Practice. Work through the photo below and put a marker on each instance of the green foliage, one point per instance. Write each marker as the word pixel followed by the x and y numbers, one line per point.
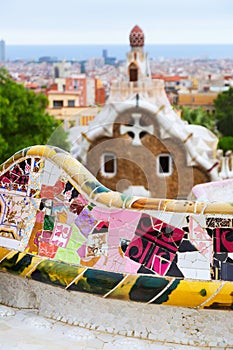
pixel 23 118
pixel 226 143
pixel 198 116
pixel 224 112
pixel 59 139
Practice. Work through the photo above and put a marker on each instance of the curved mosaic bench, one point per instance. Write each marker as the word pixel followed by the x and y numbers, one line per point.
pixel 60 226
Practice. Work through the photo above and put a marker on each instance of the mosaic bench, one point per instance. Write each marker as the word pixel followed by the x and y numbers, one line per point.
pixel 61 227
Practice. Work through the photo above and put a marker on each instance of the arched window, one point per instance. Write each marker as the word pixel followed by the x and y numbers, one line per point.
pixel 133 72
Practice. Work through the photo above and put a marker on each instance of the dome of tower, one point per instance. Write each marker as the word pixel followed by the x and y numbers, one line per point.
pixel 136 37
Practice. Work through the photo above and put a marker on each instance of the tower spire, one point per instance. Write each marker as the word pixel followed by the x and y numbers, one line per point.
pixel 136 37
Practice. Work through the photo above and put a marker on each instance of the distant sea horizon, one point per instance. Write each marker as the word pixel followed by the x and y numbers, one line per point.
pixel 83 52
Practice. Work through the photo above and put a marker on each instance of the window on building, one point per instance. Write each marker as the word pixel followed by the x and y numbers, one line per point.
pixel 56 72
pixel 71 103
pixel 133 72
pixel 108 164
pixel 57 104
pixel 164 165
pixel 75 84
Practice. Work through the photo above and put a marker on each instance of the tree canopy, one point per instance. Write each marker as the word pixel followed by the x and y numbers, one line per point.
pixel 23 118
pixel 224 112
pixel 226 143
pixel 198 116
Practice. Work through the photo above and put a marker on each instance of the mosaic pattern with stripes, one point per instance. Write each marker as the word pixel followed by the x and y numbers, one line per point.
pixel 60 226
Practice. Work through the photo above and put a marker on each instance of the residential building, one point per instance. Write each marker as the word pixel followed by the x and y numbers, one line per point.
pixel 70 97
pixel 194 98
pixel 65 106
pixel 203 92
pixel 61 69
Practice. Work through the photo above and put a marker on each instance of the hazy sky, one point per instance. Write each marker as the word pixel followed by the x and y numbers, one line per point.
pixel 110 21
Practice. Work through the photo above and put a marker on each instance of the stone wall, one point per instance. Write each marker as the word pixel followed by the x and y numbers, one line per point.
pixel 152 325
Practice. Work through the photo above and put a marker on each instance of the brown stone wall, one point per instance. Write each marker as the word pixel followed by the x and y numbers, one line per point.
pixel 200 176
pixel 136 165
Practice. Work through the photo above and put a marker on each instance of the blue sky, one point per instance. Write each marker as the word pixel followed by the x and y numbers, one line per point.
pixel 110 21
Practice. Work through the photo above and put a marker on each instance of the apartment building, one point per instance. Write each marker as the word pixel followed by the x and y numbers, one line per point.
pixel 194 98
pixel 73 99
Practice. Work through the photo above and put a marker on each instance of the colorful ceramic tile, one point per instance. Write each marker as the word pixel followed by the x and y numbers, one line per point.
pixel 47 191
pixel 34 181
pixel 194 265
pixel 49 222
pixel 97 244
pixel 76 207
pixel 47 249
pixel 148 242
pixel 67 255
pixel 149 255
pixel 9 232
pixel 17 176
pixel 15 210
pixel 37 165
pixel 85 221
pixel 61 234
pixel 76 239
pixel 42 236
pixel 52 191
pixel 40 216
pixel 70 192
pixel 46 206
pixel 159 232
pixel 200 238
pixel 101 227
pixel 223 239
pixel 214 222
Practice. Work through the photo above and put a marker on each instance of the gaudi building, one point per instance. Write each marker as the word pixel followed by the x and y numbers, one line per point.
pixel 138 144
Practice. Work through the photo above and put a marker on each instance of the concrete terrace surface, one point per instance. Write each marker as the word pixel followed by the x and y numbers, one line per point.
pixel 24 329
pixel 39 316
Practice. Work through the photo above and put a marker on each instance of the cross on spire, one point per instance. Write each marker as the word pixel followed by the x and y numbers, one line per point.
pixel 136 129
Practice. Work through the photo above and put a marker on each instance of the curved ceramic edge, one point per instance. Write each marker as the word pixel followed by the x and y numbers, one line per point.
pixel 87 184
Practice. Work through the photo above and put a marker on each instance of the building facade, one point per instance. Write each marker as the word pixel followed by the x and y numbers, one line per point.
pixel 2 51
pixel 75 100
pixel 195 99
pixel 138 144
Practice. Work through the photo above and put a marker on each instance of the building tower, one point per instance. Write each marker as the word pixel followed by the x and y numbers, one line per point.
pixel 137 60
pixel 105 54
pixel 2 51
pixel 137 75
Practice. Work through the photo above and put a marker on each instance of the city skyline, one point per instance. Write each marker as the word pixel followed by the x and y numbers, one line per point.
pixel 105 22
